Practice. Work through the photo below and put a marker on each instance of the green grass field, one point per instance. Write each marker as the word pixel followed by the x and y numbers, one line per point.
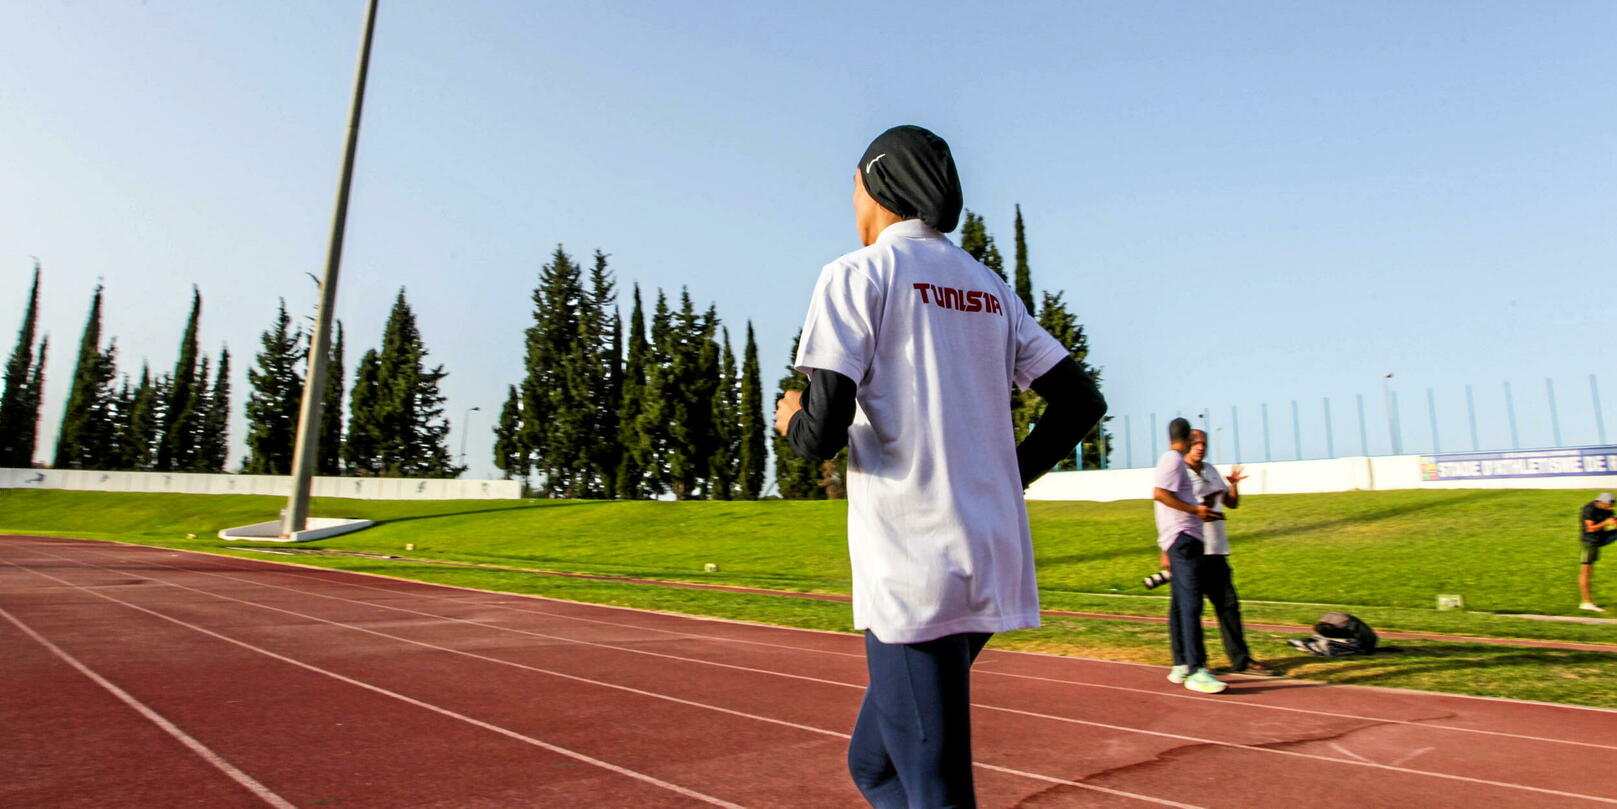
pixel 1381 555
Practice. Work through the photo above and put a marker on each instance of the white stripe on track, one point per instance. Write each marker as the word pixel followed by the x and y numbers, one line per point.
pixel 1032 714
pixel 975 672
pixel 249 783
pixel 690 793
pixel 821 731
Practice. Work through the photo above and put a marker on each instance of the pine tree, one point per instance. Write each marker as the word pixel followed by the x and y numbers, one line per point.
pixel 975 239
pixel 796 478
pixel 182 413
pixel 630 483
pixel 87 437
pixel 694 363
pixel 509 455
pixel 361 445
pixel 330 461
pixel 723 461
pixel 19 404
pixel 275 398
pixel 214 447
pixel 404 419
pixel 595 388
pixel 1024 276
pixel 137 437
pixel 752 457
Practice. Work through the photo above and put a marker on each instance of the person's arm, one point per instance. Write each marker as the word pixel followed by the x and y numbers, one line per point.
pixel 1590 526
pixel 1172 501
pixel 1232 497
pixel 1073 406
pixel 815 421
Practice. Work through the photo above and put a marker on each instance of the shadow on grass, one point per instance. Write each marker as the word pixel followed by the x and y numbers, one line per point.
pixel 1398 663
pixel 490 511
pixel 1362 517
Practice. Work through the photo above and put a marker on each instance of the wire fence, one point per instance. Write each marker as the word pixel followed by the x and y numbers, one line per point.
pixel 1492 417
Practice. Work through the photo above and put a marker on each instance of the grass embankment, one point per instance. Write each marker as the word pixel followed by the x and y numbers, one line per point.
pixel 1382 555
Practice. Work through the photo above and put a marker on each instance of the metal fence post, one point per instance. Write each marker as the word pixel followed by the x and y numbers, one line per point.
pixel 1510 413
pixel 1364 434
pixel 1555 418
pixel 1296 431
pixel 1128 440
pixel 1267 455
pixel 1330 441
pixel 1431 410
pixel 1153 458
pixel 1235 427
pixel 1471 413
pixel 1397 425
pixel 1600 418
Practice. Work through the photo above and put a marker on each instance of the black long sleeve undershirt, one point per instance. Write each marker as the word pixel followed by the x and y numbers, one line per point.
pixel 820 430
pixel 1073 407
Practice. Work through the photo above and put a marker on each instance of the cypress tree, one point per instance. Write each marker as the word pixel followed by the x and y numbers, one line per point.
pixel 551 424
pixel 594 388
pixel 360 447
pixel 631 473
pixel 330 460
pixel 796 478
pixel 509 456
pixel 1064 326
pixel 275 397
pixel 751 454
pixel 723 462
pixel 19 404
pixel 137 439
pixel 214 447
pixel 694 376
pixel 975 239
pixel 1024 276
pixel 651 449
pixel 182 413
pixel 86 439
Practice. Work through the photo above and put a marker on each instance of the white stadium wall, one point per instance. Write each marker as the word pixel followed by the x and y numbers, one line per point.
pixel 278 485
pixel 1361 474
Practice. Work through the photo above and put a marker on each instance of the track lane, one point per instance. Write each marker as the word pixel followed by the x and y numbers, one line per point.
pixel 1347 753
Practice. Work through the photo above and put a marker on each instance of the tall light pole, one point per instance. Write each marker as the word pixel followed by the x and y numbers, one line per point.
pixel 307 452
pixel 465 430
pixel 1392 416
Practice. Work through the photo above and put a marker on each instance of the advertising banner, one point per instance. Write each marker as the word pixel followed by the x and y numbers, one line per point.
pixel 1529 463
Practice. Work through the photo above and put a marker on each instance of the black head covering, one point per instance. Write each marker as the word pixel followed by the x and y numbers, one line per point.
pixel 910 172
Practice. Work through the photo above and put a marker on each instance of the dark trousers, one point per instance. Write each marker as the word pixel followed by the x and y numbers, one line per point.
pixel 1185 610
pixel 1218 586
pixel 911 746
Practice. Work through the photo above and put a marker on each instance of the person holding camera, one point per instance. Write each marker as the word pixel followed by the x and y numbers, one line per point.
pixel 1213 574
pixel 1599 530
pixel 911 347
pixel 1181 521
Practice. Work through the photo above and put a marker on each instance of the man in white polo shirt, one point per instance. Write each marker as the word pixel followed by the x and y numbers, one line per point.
pixel 912 347
pixel 1179 537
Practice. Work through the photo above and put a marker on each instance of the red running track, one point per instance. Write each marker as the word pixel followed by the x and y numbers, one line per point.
pixel 140 677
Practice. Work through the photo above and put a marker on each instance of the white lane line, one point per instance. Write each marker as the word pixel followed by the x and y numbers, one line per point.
pixel 976 671
pixel 690 793
pixel 219 763
pixel 1030 775
pixel 1353 761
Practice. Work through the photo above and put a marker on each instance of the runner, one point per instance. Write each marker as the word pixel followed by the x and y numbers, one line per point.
pixel 1599 530
pixel 911 347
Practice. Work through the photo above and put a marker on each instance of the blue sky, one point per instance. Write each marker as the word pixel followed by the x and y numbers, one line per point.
pixel 1244 202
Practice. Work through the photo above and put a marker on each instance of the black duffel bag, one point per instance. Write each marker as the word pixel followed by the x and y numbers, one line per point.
pixel 1339 634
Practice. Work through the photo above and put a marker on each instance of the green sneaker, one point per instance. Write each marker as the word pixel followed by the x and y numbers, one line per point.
pixel 1204 682
pixel 1177 674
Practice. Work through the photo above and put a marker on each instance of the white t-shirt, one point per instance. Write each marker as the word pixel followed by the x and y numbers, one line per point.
pixel 1207 482
pixel 1173 475
pixel 937 527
